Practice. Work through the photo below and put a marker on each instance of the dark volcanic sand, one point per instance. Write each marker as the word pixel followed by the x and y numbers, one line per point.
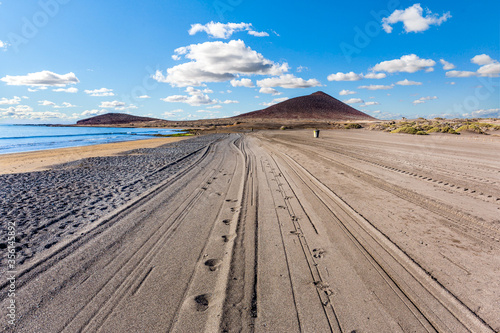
pixel 49 205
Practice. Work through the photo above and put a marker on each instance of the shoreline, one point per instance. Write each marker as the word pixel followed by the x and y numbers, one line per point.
pixel 44 159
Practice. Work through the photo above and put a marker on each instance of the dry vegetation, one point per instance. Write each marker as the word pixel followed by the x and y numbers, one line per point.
pixel 423 126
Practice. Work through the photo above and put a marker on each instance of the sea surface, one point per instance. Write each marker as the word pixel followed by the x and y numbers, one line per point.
pixel 24 138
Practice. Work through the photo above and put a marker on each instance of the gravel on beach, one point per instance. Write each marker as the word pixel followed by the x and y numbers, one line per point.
pixel 48 205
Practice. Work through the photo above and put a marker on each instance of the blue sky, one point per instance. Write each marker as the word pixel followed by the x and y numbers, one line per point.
pixel 64 60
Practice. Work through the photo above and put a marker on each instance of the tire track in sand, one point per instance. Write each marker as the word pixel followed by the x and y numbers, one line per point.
pixel 407 279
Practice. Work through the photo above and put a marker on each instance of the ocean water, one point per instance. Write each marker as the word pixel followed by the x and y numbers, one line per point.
pixel 24 138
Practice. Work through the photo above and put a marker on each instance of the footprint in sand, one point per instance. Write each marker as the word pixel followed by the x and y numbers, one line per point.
pixel 226 221
pixel 227 238
pixel 213 264
pixel 202 302
pixel 323 286
pixel 319 253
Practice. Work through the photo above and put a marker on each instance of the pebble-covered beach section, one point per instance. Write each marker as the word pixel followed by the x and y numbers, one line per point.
pixel 48 205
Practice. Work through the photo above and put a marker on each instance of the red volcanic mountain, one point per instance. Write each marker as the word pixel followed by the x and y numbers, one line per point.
pixel 113 119
pixel 311 107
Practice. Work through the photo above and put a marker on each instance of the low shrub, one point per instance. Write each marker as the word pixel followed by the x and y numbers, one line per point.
pixel 470 128
pixel 487 125
pixel 406 129
pixel 449 130
pixel 352 125
pixel 424 127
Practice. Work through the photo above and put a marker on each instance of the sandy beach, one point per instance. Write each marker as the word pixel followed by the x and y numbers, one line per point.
pixel 43 160
pixel 270 231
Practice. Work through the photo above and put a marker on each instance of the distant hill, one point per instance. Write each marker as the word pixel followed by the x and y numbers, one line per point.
pixel 114 119
pixel 317 106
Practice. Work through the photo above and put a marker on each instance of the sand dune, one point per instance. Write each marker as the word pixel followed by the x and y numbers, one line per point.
pixel 280 232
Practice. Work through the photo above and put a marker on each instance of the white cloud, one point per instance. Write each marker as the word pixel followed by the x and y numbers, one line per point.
pixel 93 112
pixel 14 100
pixel 70 90
pixel 489 67
pixel 172 113
pixel 228 101
pixel 424 99
pixel 144 96
pixel 288 81
pixel 301 69
pixel 218 62
pixel 354 101
pixel 117 105
pixel 43 78
pixel 242 83
pixel 46 103
pixel 65 105
pixel 272 91
pixel 26 112
pixel 13 110
pixel 3 44
pixel 408 63
pixel 219 30
pixel 111 104
pixel 55 106
pixel 191 100
pixel 37 89
pixel 446 65
pixel 224 30
pixel 100 92
pixel 460 74
pixel 482 59
pixel 370 103
pixel 214 107
pixel 407 82
pixel 346 92
pixel 258 34
pixel 376 87
pixel 275 101
pixel 375 76
pixel 351 76
pixel 196 98
pixel 491 70
pixel 413 20
pixel 483 113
